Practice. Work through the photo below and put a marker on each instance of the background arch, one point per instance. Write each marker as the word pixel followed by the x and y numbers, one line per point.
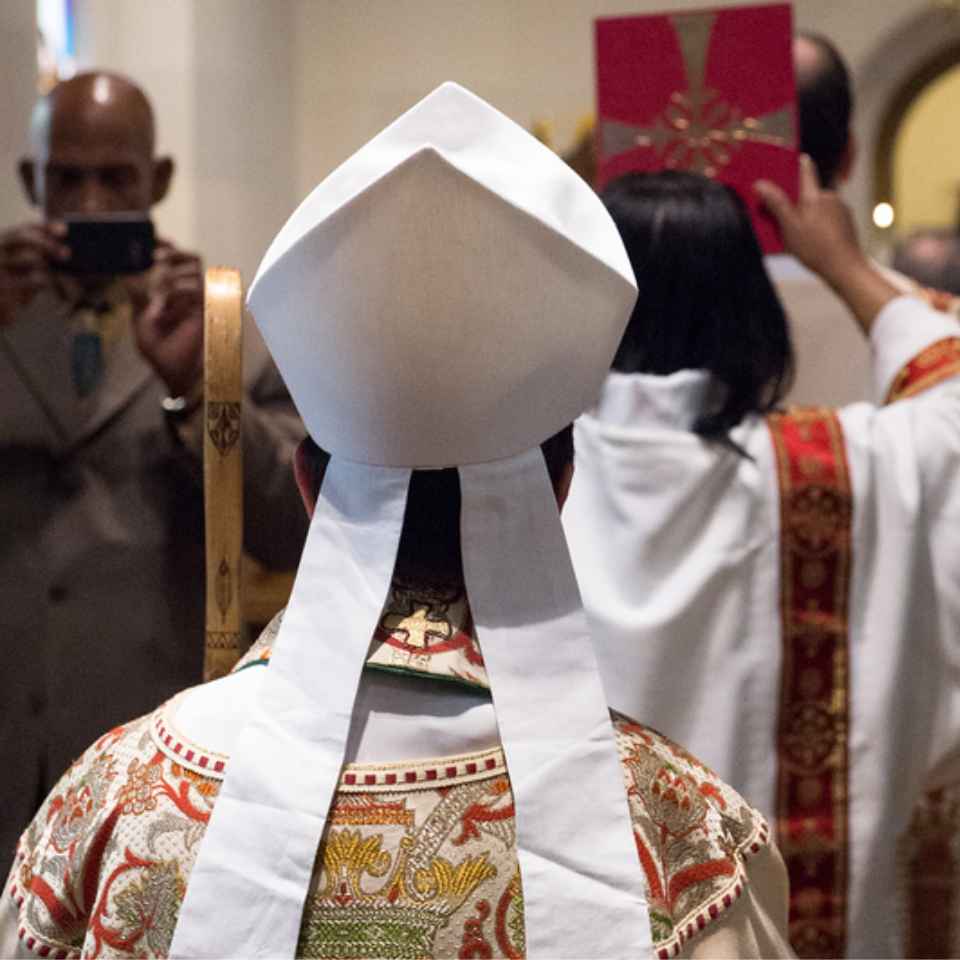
pixel 909 56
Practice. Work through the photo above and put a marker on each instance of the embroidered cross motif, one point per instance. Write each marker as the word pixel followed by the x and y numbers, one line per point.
pixel 698 130
pixel 417 628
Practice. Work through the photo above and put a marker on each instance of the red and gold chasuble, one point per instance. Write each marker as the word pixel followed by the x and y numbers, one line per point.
pixel 710 91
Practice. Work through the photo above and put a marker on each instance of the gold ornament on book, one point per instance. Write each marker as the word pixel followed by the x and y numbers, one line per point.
pixel 698 130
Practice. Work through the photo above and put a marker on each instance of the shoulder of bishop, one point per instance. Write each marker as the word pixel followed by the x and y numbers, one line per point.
pixel 694 834
pixel 113 842
pixel 116 840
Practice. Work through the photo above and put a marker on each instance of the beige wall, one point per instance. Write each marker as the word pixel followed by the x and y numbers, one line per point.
pixel 259 99
pixel 360 62
pixel 18 80
pixel 151 41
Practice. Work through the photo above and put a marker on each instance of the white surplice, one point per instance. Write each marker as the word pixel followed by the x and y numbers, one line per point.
pixel 676 543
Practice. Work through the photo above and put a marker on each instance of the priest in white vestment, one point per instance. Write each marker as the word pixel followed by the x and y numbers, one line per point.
pixel 417 760
pixel 779 591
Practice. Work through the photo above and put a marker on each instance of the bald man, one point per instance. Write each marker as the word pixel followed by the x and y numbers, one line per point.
pixel 833 365
pixel 832 356
pixel 101 559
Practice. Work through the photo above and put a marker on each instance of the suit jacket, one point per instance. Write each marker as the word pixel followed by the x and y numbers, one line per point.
pixel 101 554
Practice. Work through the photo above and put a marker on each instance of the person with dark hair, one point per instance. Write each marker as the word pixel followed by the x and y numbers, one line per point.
pixel 824 106
pixel 101 436
pixel 780 591
pixel 418 758
pixel 703 306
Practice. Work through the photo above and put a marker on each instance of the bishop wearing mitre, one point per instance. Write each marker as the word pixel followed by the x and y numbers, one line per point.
pixel 417 758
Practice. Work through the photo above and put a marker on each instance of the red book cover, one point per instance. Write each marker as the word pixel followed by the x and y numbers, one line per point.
pixel 710 91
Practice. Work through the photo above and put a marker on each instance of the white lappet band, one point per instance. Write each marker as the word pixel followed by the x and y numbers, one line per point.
pixel 582 883
pixel 246 893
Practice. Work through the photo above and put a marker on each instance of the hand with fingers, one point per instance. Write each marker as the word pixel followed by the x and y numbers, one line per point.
pixel 820 232
pixel 27 255
pixel 168 317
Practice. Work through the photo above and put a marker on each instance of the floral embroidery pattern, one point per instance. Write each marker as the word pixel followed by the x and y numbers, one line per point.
pixel 73 812
pixel 102 868
pixel 404 870
pixel 138 794
pixel 688 841
pixel 147 908
pixel 418 860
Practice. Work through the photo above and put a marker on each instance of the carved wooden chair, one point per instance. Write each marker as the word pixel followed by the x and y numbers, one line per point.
pixel 223 469
pixel 239 592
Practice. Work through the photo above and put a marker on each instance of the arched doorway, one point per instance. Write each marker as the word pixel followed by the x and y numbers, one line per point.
pixel 888 83
pixel 916 159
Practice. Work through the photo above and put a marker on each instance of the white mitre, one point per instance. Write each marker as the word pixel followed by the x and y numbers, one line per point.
pixel 452 295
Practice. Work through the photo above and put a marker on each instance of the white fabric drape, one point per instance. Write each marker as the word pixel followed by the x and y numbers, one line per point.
pixel 583 889
pixel 247 890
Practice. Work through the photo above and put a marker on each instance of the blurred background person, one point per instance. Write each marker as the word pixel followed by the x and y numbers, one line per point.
pixel 931 257
pixel 100 438
pixel 832 356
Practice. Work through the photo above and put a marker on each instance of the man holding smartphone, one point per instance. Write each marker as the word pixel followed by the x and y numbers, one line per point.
pixel 100 437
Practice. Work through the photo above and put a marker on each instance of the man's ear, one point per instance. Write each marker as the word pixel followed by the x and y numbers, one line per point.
pixel 305 475
pixel 28 179
pixel 162 175
pixel 563 487
pixel 847 161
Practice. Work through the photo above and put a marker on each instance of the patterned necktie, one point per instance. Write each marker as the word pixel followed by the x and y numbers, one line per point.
pixel 86 358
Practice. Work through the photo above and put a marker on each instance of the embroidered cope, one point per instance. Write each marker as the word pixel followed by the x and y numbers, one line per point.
pixel 419 858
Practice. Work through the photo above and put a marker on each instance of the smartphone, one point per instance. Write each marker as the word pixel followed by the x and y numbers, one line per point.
pixel 109 244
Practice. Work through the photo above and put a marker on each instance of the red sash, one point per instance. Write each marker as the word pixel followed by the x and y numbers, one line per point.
pixel 939 362
pixel 816 511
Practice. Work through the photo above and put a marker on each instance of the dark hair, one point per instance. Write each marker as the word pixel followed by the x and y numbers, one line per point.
pixel 704 298
pixel 825 104
pixel 430 542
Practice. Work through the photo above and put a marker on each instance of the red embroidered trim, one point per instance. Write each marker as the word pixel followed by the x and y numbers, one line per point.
pixel 183 752
pixel 940 361
pixel 33 942
pixel 697 922
pixel 816 510
pixel 358 778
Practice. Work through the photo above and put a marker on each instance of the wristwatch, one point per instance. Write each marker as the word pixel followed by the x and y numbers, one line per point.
pixel 179 408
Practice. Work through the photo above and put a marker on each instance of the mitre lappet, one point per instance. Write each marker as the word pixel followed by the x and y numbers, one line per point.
pixel 450 296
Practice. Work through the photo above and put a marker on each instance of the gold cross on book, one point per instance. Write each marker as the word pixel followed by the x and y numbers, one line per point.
pixel 698 130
